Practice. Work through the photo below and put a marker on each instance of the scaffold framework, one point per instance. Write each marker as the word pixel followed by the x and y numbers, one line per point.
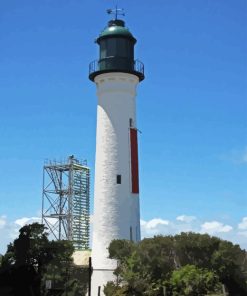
pixel 66 201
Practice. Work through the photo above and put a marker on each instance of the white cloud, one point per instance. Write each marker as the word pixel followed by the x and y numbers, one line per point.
pixel 186 219
pixel 9 230
pixel 154 226
pixel 24 221
pixel 156 222
pixel 243 224
pixel 187 223
pixel 142 222
pixel 183 223
pixel 2 221
pixel 51 221
pixel 214 227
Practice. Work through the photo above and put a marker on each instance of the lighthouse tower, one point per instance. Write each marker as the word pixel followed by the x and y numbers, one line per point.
pixel 116 191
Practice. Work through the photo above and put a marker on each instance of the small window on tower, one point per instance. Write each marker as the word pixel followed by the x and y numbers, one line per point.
pixel 118 179
pixel 131 122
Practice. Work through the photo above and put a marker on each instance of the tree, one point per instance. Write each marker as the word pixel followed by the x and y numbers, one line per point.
pixel 229 262
pixel 31 247
pixel 195 248
pixel 58 269
pixel 149 266
pixel 25 258
pixel 111 289
pixel 224 258
pixel 32 259
pixel 191 280
pixel 143 266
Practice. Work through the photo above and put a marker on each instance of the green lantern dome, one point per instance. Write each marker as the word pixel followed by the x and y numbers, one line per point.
pixel 116 52
pixel 116 28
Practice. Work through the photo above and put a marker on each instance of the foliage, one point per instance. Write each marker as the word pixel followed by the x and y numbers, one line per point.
pixel 58 268
pixel 22 264
pixel 121 249
pixel 32 259
pixel 191 280
pixel 180 263
pixel 227 260
pixel 114 290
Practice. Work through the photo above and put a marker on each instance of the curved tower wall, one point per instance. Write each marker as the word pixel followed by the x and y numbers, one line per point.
pixel 116 208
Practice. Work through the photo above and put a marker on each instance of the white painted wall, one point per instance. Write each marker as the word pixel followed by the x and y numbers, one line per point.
pixel 116 209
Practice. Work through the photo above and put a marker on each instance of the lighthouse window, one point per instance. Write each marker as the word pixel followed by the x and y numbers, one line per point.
pixel 111 47
pixel 103 49
pixel 122 47
pixel 118 179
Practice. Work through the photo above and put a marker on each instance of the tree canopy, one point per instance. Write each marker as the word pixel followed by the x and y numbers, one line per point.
pixel 32 260
pixel 184 264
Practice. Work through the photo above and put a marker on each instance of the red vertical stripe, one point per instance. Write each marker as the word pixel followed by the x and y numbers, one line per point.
pixel 134 160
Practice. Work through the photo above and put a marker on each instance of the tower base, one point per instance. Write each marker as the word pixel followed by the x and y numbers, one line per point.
pixel 99 280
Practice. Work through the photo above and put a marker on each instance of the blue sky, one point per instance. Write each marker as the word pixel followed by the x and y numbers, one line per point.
pixel 192 107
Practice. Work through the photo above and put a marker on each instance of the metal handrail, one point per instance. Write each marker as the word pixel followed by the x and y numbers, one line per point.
pixel 139 66
pixel 94 66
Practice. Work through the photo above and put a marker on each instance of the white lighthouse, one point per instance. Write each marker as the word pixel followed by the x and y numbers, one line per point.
pixel 116 192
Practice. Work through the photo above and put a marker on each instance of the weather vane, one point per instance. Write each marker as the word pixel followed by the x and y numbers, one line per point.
pixel 117 11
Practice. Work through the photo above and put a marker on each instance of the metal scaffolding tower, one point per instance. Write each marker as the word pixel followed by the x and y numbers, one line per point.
pixel 65 201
